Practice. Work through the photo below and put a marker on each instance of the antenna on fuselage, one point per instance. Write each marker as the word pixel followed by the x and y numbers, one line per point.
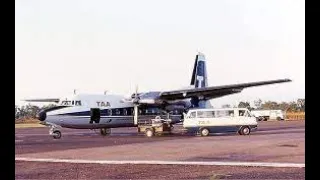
pixel 105 92
pixel 74 91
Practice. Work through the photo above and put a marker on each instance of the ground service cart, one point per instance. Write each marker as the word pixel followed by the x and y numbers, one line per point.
pixel 153 127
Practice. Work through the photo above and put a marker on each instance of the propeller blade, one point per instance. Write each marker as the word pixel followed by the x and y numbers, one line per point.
pixel 136 98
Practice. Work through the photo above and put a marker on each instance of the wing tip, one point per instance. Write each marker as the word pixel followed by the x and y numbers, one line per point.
pixel 287 80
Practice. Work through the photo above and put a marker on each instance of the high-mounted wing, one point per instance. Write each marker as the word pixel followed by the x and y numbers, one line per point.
pixel 214 91
pixel 56 100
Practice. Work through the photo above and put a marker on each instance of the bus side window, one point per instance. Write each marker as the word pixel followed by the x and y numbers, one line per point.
pixel 231 113
pixel 200 114
pixel 241 112
pixel 192 115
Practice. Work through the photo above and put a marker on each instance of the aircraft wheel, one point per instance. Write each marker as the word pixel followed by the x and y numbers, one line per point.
pixel 105 131
pixel 56 134
pixel 204 132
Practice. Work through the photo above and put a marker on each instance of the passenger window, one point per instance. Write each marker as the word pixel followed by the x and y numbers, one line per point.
pixel 110 112
pixel 124 112
pixel 78 103
pixel 200 114
pixel 231 113
pixel 118 112
pixel 222 113
pixel 208 114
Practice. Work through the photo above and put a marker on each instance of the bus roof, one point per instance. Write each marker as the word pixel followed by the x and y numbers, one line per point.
pixel 217 109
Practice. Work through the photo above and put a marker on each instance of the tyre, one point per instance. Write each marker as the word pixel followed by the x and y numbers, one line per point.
pixel 56 134
pixel 245 130
pixel 105 131
pixel 149 132
pixel 279 118
pixel 204 132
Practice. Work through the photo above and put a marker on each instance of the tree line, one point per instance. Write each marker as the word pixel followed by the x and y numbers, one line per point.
pixel 29 111
pixel 293 106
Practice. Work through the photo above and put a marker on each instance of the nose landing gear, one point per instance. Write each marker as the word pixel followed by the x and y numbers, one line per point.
pixel 54 131
pixel 56 134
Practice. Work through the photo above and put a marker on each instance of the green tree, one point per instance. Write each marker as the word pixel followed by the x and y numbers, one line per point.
pixel 301 104
pixel 226 106
pixel 244 105
pixel 270 105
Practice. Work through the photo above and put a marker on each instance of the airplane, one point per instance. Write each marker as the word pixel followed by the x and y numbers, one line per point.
pixel 106 111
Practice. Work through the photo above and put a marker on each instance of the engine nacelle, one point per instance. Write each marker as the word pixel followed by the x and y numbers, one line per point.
pixel 147 101
pixel 42 115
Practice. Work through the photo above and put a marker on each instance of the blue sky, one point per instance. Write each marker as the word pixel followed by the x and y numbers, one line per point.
pixel 99 45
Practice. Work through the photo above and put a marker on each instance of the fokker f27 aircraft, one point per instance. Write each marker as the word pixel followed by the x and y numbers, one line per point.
pixel 105 111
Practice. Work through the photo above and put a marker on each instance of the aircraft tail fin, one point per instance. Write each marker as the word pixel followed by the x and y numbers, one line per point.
pixel 199 80
pixel 199 74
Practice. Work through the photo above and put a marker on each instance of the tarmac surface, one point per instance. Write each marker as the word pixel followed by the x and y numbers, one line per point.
pixel 274 141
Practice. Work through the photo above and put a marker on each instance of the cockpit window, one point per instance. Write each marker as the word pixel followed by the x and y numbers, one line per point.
pixel 66 103
pixel 78 103
pixel 69 103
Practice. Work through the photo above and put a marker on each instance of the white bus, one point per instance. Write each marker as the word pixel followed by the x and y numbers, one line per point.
pixel 205 121
pixel 268 114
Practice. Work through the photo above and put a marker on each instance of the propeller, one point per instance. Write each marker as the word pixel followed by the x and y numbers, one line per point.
pixel 136 97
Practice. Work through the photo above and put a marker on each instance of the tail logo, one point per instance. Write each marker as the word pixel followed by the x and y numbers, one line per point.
pixel 200 79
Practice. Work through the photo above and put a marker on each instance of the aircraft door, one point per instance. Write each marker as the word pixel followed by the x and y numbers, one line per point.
pixel 94 115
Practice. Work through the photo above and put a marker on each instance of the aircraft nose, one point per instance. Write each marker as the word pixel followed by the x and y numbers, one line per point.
pixel 42 115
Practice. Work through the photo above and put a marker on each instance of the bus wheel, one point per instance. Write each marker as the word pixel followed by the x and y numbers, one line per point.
pixel 245 130
pixel 204 132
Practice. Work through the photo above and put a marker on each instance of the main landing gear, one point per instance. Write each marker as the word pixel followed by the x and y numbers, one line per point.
pixel 105 131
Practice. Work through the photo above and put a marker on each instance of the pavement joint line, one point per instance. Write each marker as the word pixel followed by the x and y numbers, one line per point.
pixel 155 162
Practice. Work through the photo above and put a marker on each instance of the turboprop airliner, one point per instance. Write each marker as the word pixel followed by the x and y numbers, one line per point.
pixel 106 111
